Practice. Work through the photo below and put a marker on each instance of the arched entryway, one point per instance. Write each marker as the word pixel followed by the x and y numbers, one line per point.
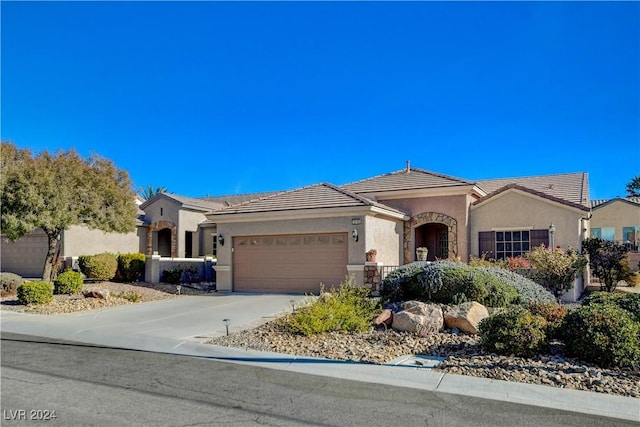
pixel 436 231
pixel 161 238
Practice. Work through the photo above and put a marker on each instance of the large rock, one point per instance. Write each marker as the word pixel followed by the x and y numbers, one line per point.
pixel 466 316
pixel 429 320
pixel 418 307
pixel 95 293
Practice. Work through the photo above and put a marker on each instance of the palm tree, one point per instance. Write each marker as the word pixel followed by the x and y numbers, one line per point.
pixel 148 192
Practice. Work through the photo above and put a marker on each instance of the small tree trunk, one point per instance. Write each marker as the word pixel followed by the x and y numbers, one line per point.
pixel 52 255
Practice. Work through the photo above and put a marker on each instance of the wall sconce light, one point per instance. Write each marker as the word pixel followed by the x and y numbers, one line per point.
pixel 354 234
pixel 221 239
pixel 226 324
pixel 552 232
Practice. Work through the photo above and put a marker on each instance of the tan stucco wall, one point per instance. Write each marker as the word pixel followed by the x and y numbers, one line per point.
pixel 79 240
pixel 25 256
pixel 516 210
pixel 456 207
pixel 616 214
pixel 356 250
pixel 385 236
pixel 188 221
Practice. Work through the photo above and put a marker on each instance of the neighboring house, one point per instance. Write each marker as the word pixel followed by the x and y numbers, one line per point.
pixel 295 240
pixel 26 255
pixel 618 220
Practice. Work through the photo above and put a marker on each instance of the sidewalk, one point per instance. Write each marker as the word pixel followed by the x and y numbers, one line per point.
pixel 179 326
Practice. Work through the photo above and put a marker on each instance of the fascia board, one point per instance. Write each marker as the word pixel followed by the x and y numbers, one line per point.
pixel 424 192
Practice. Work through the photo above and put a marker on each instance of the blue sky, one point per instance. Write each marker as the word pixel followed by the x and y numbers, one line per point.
pixel 212 98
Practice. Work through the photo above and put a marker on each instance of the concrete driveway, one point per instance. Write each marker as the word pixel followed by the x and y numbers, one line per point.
pixel 187 318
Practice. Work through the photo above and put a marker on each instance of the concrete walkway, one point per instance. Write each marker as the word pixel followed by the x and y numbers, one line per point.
pixel 179 326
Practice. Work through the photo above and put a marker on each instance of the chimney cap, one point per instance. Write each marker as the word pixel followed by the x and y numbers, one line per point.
pixel 408 166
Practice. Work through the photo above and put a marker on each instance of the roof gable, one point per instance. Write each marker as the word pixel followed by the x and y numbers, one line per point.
pixel 405 179
pixel 528 190
pixel 319 196
pixel 569 187
pixel 634 201
pixel 184 202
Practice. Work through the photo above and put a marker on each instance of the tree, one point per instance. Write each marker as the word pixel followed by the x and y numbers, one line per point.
pixel 148 191
pixel 556 269
pixel 633 187
pixel 55 191
pixel 606 261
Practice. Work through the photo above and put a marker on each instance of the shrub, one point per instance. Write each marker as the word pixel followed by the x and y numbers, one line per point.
pixel 37 292
pixel 605 261
pixel 131 266
pixel 348 309
pixel 552 313
pixel 172 275
pixel 628 302
pixel 129 296
pixel 603 334
pixel 101 266
pixel 68 282
pixel 402 284
pixel 528 290
pixel 9 283
pixel 556 269
pixel 514 331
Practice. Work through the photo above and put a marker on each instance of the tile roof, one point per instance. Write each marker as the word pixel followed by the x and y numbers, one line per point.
pixel 318 196
pixel 600 202
pixel 571 187
pixel 580 206
pixel 190 201
pixel 400 180
pixel 234 199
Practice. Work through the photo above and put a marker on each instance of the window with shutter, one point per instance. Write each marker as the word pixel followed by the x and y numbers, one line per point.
pixel 487 244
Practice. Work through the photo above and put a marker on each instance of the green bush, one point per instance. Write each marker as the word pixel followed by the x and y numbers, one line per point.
pixel 35 293
pixel 514 331
pixel 349 308
pixel 131 266
pixel 528 290
pixel 554 315
pixel 626 301
pixel 604 334
pixel 129 296
pixel 68 282
pixel 402 284
pixel 101 266
pixel 9 283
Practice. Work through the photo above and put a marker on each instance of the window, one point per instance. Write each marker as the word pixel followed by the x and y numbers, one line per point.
pixel 512 243
pixel 606 233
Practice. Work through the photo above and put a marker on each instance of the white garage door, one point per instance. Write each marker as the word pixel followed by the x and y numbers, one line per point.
pixel 25 256
pixel 289 263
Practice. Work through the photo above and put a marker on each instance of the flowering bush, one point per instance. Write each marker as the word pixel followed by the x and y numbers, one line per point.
pixel 556 269
pixel 518 262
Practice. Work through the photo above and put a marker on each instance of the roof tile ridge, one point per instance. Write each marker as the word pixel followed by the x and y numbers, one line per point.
pixel 442 175
pixel 363 199
pixel 371 178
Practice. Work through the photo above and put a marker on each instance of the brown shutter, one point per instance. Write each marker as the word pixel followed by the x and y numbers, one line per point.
pixel 487 244
pixel 539 237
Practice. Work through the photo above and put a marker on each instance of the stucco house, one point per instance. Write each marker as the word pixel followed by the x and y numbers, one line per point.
pixel 295 240
pixel 618 220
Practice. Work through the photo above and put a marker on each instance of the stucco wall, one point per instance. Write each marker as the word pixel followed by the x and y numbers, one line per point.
pixel 456 207
pixel 519 211
pixel 25 256
pixel 188 221
pixel 616 214
pixel 80 240
pixel 385 236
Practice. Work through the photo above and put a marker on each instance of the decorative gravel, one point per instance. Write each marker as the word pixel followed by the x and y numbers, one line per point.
pixel 463 356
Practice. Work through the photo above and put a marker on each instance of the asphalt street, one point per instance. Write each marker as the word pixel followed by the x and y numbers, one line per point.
pixel 91 385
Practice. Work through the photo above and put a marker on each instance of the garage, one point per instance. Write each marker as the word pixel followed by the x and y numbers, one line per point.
pixel 25 256
pixel 296 263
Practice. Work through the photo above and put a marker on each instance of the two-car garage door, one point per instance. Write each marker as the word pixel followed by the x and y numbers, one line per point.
pixel 289 263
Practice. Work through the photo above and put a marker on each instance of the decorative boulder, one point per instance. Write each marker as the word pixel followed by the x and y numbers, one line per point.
pixel 385 318
pixel 418 307
pixel 100 294
pixel 430 321
pixel 466 316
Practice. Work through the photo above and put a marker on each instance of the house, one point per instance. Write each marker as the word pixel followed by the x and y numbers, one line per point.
pixel 295 240
pixel 618 220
